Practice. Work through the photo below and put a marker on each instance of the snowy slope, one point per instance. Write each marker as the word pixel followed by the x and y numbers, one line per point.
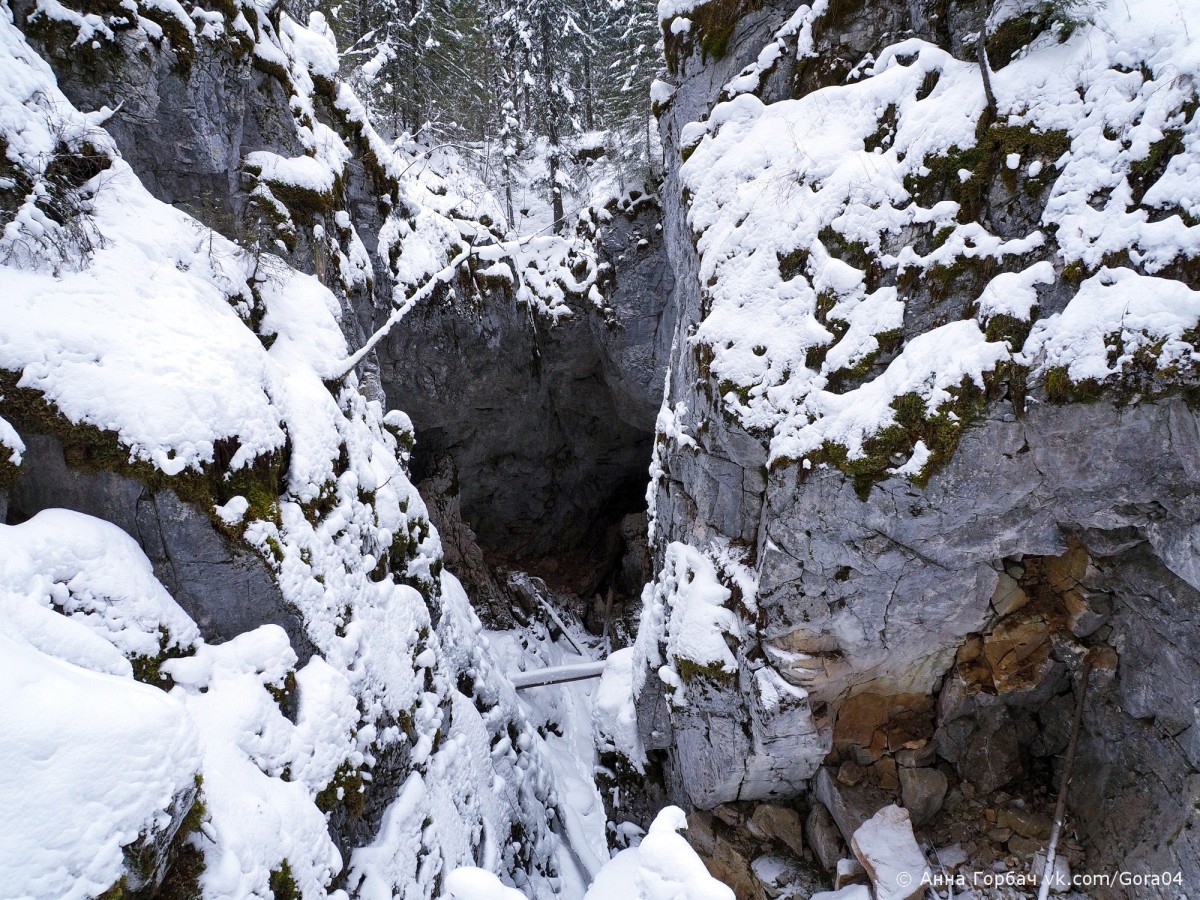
pixel 127 315
pixel 104 760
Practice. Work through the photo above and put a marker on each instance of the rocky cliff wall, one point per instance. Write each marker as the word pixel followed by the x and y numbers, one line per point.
pixel 548 422
pixel 926 587
pixel 547 415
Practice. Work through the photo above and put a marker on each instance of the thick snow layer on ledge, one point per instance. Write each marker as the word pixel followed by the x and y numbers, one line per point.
pixel 1115 315
pixel 143 341
pixel 141 337
pixel 791 203
pixel 82 590
pixel 663 867
pixel 303 172
pixel 470 883
pixel 88 763
pixel 144 334
pixel 90 760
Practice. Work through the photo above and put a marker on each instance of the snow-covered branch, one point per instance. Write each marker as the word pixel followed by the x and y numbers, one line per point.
pixel 346 366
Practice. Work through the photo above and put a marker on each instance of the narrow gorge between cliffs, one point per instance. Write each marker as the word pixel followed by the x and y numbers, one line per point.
pixel 528 449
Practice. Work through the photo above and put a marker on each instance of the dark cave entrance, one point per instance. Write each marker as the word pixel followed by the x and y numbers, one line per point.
pixel 532 454
pixel 588 545
pixel 534 437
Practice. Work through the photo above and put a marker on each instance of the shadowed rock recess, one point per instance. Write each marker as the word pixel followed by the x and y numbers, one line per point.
pixel 544 426
pixel 549 427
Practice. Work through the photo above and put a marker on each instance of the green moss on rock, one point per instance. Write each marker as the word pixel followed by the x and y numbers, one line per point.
pixel 1015 34
pixel 87 448
pixel 178 37
pixel 713 24
pixel 9 471
pixel 346 789
pixel 284 693
pixel 940 431
pixel 985 162
pixel 689 670
pixel 1061 389
pixel 283 883
pixel 148 669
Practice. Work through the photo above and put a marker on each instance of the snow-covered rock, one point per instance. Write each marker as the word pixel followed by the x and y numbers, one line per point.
pixel 850 239
pixel 662 867
pixel 188 387
pixel 469 883
pixel 96 770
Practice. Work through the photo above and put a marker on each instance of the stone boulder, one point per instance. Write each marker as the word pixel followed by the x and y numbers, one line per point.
pixel 224 587
pixel 888 851
pixel 923 791
pixel 824 837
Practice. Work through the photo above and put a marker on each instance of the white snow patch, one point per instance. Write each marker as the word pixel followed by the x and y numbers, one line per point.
pixel 1015 293
pixel 299 171
pixel 615 714
pixel 1117 314
pixel 11 441
pixel 81 589
pixel 684 619
pixel 470 883
pixel 663 867
pixel 100 757
pixel 916 463
pixel 661 92
pixel 104 757
pixel 233 512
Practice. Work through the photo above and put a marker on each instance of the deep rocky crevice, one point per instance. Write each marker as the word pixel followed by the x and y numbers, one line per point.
pixel 939 629
pixel 534 438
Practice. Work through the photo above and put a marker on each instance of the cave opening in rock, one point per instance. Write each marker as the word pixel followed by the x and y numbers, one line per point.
pixel 588 546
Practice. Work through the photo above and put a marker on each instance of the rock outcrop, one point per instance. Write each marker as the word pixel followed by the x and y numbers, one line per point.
pixel 226 588
pixel 929 591
pixel 210 407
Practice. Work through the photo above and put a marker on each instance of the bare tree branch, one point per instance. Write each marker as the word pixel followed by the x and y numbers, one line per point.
pixel 985 70
pixel 1060 808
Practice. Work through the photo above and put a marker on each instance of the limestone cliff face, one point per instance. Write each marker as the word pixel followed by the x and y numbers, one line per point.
pixel 549 418
pixel 225 587
pixel 188 111
pixel 548 424
pixel 917 600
